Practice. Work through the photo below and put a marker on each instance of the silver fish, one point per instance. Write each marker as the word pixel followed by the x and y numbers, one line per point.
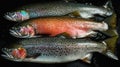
pixel 53 50
pixel 57 9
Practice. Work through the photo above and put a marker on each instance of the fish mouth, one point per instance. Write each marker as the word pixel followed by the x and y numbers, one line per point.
pixel 6 53
pixel 10 17
pixel 15 33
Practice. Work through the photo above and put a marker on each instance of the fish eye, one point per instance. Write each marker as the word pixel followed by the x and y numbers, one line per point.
pixel 23 13
pixel 18 15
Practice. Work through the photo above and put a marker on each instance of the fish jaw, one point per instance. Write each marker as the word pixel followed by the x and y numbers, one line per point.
pixel 20 15
pixel 23 32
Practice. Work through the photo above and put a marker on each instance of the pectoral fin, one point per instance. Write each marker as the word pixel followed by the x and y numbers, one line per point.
pixel 64 35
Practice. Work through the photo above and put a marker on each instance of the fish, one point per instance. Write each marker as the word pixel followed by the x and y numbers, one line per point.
pixel 53 26
pixel 26 12
pixel 52 50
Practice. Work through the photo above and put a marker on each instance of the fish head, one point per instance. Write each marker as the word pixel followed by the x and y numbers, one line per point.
pixel 20 15
pixel 22 31
pixel 16 54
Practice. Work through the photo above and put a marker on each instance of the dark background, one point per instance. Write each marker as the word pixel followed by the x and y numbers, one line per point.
pixel 98 60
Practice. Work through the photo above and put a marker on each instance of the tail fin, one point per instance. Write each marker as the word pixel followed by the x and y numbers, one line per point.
pixel 111 42
pixel 100 36
pixel 108 5
pixel 111 21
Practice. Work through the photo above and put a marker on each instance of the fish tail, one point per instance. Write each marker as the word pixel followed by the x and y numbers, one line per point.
pixel 112 43
pixel 111 55
pixel 108 5
pixel 111 21
pixel 100 36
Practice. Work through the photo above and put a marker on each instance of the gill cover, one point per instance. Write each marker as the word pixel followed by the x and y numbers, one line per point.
pixel 19 53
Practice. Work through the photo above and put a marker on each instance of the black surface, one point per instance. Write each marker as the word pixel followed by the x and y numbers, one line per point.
pixel 98 60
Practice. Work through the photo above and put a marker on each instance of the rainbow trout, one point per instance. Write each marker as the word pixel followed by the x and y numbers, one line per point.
pixel 52 50
pixel 53 26
pixel 58 9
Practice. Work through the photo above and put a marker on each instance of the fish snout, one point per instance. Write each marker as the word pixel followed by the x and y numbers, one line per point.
pixel 10 16
pixel 6 53
pixel 15 32
pixel 17 16
pixel 22 32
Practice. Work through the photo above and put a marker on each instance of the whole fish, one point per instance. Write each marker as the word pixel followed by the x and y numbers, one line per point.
pixel 52 50
pixel 58 9
pixel 53 26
